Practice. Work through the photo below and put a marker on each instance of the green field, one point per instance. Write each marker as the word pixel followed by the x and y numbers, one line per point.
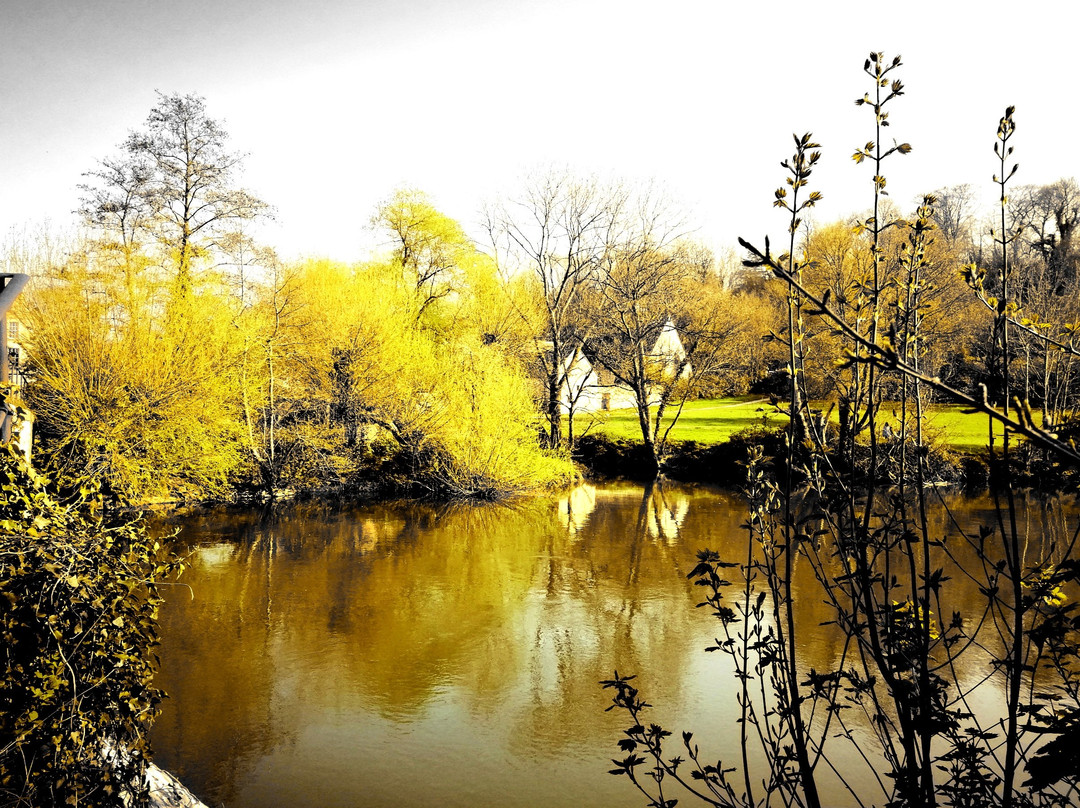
pixel 707 421
pixel 961 431
pixel 715 420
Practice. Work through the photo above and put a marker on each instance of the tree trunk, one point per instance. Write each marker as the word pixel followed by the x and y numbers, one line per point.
pixel 554 414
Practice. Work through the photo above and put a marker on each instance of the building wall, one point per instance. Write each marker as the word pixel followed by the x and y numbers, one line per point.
pixel 586 389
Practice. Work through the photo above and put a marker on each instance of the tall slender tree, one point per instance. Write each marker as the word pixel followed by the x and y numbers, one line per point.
pixel 557 228
pixel 176 181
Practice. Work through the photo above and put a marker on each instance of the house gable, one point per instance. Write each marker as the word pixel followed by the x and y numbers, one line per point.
pixel 592 388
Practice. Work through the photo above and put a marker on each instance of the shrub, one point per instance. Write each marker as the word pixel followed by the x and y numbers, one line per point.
pixel 78 615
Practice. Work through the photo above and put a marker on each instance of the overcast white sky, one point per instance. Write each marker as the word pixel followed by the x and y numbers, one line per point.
pixel 338 102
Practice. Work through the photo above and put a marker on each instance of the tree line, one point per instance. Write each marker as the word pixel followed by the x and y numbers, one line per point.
pixel 174 355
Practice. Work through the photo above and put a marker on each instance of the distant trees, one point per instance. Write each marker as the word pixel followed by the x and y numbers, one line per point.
pixel 271 334
pixel 954 214
pixel 1047 217
pixel 314 374
pixel 173 355
pixel 840 260
pixel 185 332
pixel 657 324
pixel 1044 289
pixel 1044 260
pixel 611 270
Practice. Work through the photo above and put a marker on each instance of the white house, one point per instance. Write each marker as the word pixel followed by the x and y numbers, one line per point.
pixel 589 388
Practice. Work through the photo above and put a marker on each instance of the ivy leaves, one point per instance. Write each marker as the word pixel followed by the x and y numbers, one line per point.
pixel 78 619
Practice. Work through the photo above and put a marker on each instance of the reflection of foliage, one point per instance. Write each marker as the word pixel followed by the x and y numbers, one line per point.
pixel 369 602
pixel 78 613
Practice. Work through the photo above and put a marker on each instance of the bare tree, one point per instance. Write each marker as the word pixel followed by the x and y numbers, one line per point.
pixel 1043 278
pixel 954 213
pixel 1048 216
pixel 556 229
pixel 269 347
pixel 175 181
pixel 651 323
pixel 116 201
pixel 245 263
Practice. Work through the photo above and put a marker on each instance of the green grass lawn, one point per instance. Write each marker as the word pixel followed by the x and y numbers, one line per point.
pixel 715 420
pixel 962 431
pixel 708 421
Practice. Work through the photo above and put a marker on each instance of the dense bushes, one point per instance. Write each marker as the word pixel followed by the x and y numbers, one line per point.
pixel 448 407
pixel 78 611
pixel 285 385
pixel 123 394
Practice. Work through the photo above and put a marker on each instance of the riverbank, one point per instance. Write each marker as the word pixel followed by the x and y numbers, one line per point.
pixel 724 463
pixel 955 459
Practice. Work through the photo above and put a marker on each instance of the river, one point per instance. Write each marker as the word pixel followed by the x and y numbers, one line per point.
pixel 403 654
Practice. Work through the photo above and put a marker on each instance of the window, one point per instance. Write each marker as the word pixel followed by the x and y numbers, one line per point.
pixel 13 329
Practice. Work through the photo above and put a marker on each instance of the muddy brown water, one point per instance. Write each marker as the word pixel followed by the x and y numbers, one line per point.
pixel 410 655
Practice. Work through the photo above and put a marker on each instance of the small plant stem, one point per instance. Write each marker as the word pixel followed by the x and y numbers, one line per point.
pixel 755 493
pixel 800 169
pixel 1012 546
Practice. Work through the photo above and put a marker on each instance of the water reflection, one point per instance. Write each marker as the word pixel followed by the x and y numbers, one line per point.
pixel 403 654
pixel 575 507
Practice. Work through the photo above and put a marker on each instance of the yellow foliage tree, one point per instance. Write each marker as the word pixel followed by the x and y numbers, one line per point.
pixel 455 406
pixel 119 395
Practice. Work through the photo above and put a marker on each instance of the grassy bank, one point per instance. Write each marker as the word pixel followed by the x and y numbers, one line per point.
pixel 713 421
pixel 707 421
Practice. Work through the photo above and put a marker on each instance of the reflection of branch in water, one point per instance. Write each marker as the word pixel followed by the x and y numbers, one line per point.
pixel 642 527
pixel 271 552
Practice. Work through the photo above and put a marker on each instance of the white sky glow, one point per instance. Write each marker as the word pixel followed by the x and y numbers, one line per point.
pixel 337 103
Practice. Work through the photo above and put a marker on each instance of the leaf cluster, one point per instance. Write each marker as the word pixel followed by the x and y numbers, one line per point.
pixel 79 597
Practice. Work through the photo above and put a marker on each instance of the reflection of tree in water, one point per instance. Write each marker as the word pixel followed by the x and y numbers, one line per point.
pixel 615 595
pixel 214 725
pixel 575 506
pixel 506 617
pixel 663 510
pixel 236 696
